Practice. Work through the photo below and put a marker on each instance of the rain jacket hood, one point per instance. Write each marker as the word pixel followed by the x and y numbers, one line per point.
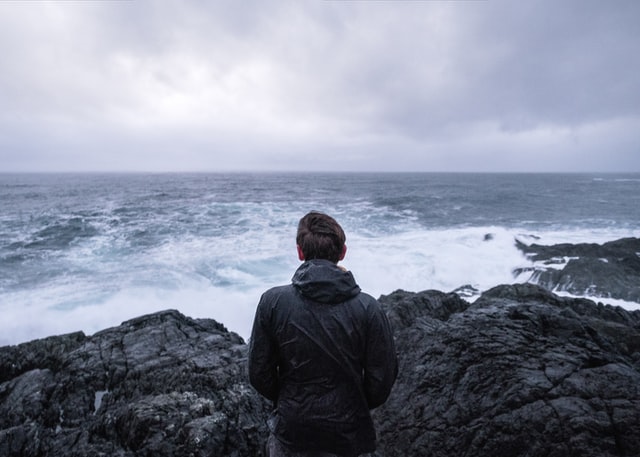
pixel 325 282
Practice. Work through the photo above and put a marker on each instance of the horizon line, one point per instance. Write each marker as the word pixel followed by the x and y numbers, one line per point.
pixel 240 171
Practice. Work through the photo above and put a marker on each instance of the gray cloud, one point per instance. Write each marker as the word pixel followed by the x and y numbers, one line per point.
pixel 192 85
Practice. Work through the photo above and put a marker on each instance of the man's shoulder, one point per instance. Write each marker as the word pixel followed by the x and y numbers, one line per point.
pixel 365 296
pixel 371 304
pixel 277 291
pixel 367 299
pixel 285 288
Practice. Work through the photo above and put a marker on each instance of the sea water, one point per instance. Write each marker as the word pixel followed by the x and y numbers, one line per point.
pixel 88 251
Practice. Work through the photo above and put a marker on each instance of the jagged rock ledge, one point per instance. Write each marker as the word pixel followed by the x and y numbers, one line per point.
pixel 609 270
pixel 520 371
pixel 162 385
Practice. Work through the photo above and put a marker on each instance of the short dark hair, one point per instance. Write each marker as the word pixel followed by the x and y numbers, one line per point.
pixel 320 237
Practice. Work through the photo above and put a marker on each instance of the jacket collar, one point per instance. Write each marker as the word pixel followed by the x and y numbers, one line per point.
pixel 325 282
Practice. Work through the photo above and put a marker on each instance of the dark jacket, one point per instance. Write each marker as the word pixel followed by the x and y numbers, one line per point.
pixel 323 352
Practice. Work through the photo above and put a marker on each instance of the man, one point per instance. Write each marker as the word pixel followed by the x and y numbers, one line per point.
pixel 322 351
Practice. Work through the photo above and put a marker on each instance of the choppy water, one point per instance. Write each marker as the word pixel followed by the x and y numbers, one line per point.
pixel 87 251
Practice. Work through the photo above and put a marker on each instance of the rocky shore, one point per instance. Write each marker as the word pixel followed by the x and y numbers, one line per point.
pixel 161 385
pixel 610 270
pixel 519 372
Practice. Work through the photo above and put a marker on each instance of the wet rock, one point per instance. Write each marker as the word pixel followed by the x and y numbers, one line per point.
pixel 610 270
pixel 162 385
pixel 467 291
pixel 519 372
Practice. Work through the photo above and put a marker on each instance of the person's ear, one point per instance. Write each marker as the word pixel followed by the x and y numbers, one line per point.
pixel 300 253
pixel 344 252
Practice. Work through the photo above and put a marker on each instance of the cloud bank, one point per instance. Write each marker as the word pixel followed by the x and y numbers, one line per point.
pixel 320 85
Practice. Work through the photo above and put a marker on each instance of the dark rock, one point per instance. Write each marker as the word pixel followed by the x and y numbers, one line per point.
pixel 610 270
pixel 162 385
pixel 466 291
pixel 46 353
pixel 405 307
pixel 519 372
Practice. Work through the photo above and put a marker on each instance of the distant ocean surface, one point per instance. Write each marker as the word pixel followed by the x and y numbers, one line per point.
pixel 88 251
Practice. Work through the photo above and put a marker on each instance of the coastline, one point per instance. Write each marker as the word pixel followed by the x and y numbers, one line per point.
pixel 527 369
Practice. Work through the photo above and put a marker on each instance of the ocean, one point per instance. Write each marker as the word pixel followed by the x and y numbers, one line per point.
pixel 88 251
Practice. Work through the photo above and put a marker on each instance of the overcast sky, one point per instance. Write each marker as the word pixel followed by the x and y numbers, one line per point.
pixel 196 85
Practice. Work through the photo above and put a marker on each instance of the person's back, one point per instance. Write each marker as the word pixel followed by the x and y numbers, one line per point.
pixel 322 351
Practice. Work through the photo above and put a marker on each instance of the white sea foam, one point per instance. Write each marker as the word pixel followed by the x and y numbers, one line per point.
pixel 628 305
pixel 40 316
pixel 223 277
pixel 438 259
pixel 210 245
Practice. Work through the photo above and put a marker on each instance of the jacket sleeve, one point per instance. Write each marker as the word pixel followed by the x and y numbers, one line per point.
pixel 263 355
pixel 381 362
